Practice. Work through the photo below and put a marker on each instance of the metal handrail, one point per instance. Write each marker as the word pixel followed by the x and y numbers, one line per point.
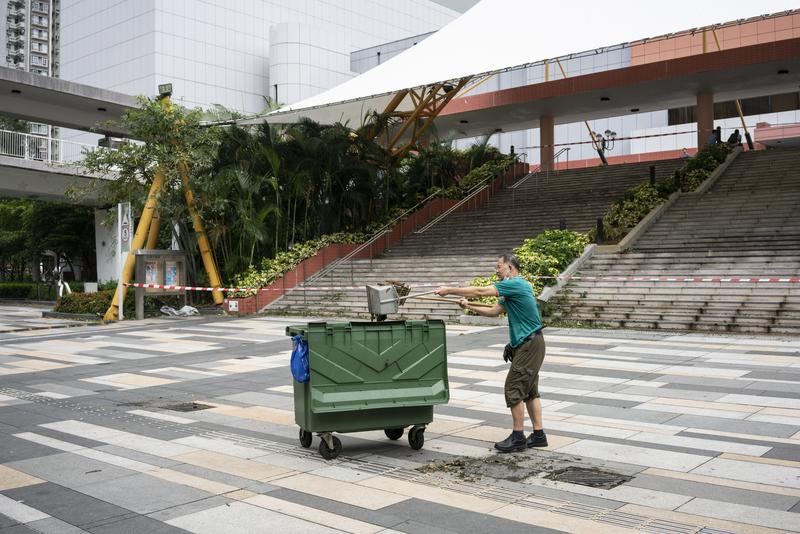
pixel 525 178
pixel 538 172
pixel 377 235
pixel 476 189
pixel 41 148
pixel 473 192
pixel 539 168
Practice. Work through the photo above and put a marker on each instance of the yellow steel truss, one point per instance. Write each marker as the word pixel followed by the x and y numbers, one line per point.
pixel 404 129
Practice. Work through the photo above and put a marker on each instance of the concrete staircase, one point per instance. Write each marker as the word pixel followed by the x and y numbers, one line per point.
pixel 747 225
pixel 466 245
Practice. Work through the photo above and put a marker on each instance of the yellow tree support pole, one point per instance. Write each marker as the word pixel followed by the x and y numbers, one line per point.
pixel 591 133
pixel 202 240
pixel 741 116
pixel 112 314
pixel 152 235
pixel 738 103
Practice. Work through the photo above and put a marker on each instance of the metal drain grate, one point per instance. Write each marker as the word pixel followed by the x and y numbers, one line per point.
pixel 594 478
pixel 187 407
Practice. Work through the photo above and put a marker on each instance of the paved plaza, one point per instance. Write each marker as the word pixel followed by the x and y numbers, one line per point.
pixel 19 317
pixel 187 425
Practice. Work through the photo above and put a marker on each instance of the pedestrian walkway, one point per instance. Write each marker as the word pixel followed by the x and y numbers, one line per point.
pixel 28 316
pixel 176 426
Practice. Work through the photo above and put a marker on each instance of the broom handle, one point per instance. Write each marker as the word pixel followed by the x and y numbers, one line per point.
pixel 414 296
pixel 439 299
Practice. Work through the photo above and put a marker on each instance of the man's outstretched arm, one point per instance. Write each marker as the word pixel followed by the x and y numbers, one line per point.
pixel 469 292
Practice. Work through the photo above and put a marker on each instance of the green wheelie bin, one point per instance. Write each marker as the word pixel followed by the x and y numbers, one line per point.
pixel 370 376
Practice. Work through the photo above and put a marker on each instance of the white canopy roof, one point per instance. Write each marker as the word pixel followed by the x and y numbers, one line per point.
pixel 497 35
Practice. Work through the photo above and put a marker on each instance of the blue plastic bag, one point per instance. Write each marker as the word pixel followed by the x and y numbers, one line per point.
pixel 299 362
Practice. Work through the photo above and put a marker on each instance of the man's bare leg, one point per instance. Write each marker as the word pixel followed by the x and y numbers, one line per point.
pixel 518 416
pixel 516 441
pixel 534 407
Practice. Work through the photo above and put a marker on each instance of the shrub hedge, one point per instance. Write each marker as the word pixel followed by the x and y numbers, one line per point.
pixel 33 290
pixel 93 303
pixel 270 269
pixel 97 303
pixel 489 170
pixel 546 255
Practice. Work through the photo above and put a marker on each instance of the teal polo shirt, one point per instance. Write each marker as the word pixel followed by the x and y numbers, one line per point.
pixel 516 297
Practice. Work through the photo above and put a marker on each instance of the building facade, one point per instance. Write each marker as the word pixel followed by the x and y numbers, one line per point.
pixel 231 53
pixel 30 29
pixel 656 132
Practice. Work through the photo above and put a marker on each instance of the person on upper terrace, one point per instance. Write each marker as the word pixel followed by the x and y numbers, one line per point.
pixel 735 138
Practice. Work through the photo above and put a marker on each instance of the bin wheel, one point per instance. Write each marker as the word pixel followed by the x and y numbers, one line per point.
pixel 305 438
pixel 394 433
pixel 416 437
pixel 328 453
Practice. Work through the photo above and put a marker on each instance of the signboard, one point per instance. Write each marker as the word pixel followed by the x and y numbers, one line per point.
pixel 162 268
pixel 124 239
pixel 171 274
pixel 125 226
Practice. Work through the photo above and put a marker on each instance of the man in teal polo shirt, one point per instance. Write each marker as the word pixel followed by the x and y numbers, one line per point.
pixel 525 350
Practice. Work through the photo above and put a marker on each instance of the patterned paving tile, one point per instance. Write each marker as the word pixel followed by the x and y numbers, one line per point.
pixel 238 517
pixel 693 412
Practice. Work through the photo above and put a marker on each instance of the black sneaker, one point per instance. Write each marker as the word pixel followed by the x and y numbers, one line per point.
pixel 511 444
pixel 533 441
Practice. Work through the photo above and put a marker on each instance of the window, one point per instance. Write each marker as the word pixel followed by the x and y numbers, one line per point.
pixel 40 20
pixel 750 106
pixel 40 6
pixel 40 47
pixel 38 129
pixel 785 102
pixel 38 60
pixel 40 34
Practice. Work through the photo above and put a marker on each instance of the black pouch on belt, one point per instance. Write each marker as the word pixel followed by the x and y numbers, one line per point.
pixel 508 353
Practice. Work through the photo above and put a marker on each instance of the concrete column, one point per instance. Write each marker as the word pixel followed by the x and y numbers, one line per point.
pixel 705 117
pixel 105 247
pixel 546 139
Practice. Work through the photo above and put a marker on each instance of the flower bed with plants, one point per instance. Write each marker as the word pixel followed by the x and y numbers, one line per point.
pixel 546 255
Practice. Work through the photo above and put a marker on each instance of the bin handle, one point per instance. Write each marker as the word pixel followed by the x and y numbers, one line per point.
pixel 343 326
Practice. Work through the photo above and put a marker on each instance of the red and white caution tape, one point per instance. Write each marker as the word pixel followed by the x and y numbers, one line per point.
pixel 713 279
pixel 312 288
pixel 187 288
pixel 723 279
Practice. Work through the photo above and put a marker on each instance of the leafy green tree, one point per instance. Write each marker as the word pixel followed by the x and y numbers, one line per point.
pixel 262 190
pixel 30 228
pixel 64 229
pixel 13 125
pixel 436 165
pixel 164 138
pixel 13 213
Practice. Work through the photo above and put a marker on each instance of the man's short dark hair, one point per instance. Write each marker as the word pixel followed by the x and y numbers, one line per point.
pixel 510 259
